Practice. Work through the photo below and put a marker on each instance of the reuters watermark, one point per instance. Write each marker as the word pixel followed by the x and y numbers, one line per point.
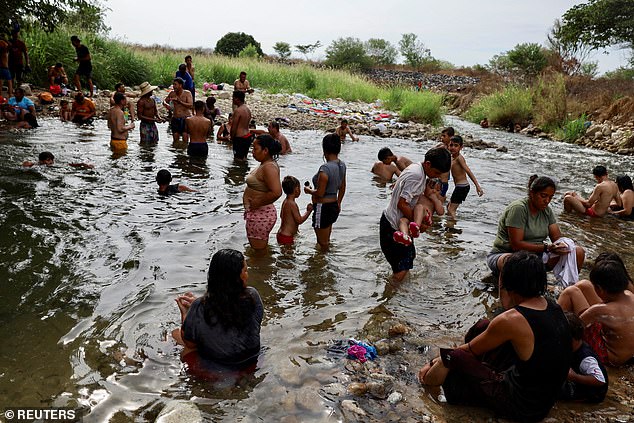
pixel 23 414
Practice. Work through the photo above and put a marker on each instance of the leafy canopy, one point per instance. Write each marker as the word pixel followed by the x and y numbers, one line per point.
pixel 381 52
pixel 347 52
pixel 307 49
pixel 232 43
pixel 282 49
pixel 48 14
pixel 414 50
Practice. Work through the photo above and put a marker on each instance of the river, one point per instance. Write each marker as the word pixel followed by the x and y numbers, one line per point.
pixel 93 259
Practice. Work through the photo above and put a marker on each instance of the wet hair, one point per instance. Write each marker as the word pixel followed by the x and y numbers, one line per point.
pixel 599 171
pixel 449 131
pixel 239 95
pixel 610 275
pixel 182 67
pixel 439 158
pixel 289 184
pixel 179 80
pixel 199 105
pixel 118 97
pixel 187 57
pixel 540 183
pixel 525 274
pixel 624 182
pixel 163 177
pixel 609 256
pixel 457 139
pixel 271 144
pixel 211 100
pixel 45 155
pixel 243 73
pixel 226 300
pixel 331 144
pixel 75 38
pixel 575 325
pixel 384 153
pixel 18 90
pixel 118 85
pixel 275 124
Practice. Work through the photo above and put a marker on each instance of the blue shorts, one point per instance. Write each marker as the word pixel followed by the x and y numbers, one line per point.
pixel 5 73
pixel 178 125
pixel 444 187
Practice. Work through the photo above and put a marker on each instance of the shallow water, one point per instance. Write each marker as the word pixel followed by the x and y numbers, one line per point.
pixel 93 259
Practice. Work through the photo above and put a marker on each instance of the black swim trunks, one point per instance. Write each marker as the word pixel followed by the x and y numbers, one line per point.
pixel 241 146
pixel 325 214
pixel 84 69
pixel 199 149
pixel 399 256
pixel 178 125
pixel 460 193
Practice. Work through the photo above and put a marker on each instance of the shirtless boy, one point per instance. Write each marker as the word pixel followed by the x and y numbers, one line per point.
pixel 116 122
pixel 597 205
pixel 613 338
pixel 274 131
pixel 198 128
pixel 344 129
pixel 459 171
pixel 120 88
pixel 181 107
pixel 240 133
pixel 290 215
pixel 5 73
pixel 386 167
pixel 163 179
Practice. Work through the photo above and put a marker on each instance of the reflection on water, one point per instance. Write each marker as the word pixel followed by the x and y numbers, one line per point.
pixel 93 259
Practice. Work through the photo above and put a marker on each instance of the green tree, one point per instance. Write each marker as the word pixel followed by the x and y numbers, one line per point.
pixel 47 14
pixel 249 51
pixel 347 52
pixel 600 23
pixel 414 50
pixel 527 59
pixel 232 43
pixel 307 49
pixel 381 52
pixel 567 56
pixel 282 49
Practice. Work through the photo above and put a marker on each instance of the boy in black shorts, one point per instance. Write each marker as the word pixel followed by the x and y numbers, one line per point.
pixel 459 172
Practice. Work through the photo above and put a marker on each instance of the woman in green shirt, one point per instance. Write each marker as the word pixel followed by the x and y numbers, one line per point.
pixel 525 225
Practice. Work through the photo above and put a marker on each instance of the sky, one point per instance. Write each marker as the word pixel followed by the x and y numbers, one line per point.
pixel 463 32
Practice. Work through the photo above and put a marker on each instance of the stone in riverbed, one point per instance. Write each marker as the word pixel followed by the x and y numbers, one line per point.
pixel 179 412
pixel 349 406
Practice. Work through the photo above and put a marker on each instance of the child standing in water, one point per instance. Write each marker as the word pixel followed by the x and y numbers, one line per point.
pixel 64 111
pixel 290 215
pixel 459 171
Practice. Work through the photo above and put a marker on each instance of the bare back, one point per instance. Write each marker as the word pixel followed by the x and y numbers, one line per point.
pixel 198 128
pixel 287 214
pixel 603 194
pixel 241 120
pixel 385 171
pixel 116 123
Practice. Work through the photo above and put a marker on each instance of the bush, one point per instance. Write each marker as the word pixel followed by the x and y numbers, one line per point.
pixel 381 52
pixel 572 130
pixel 232 43
pixel 527 59
pixel 621 73
pixel 511 105
pixel 282 49
pixel 348 53
pixel 249 51
pixel 549 100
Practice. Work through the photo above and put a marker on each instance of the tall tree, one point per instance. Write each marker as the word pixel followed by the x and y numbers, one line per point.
pixel 381 52
pixel 47 13
pixel 282 49
pixel 232 43
pixel 414 50
pixel 569 56
pixel 347 52
pixel 307 49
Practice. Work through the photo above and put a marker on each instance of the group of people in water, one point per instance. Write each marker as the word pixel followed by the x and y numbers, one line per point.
pixel 519 363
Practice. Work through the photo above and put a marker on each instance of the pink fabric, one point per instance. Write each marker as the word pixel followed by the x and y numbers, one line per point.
pixel 357 352
pixel 260 221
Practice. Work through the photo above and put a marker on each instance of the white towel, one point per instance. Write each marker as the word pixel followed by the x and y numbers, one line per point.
pixel 565 270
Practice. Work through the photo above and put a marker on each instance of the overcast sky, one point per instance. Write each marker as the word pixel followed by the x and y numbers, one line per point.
pixel 463 32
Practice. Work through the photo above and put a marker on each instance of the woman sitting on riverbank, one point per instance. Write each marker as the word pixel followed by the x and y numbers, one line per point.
pixel 626 189
pixel 525 225
pixel 517 363
pixel 263 189
pixel 330 187
pixel 224 324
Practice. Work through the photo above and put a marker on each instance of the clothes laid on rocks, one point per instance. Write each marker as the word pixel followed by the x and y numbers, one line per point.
pixel 227 345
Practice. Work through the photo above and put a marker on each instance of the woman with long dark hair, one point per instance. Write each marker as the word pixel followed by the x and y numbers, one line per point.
pixel 224 324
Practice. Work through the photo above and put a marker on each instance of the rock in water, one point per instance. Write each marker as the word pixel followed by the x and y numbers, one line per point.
pixel 179 412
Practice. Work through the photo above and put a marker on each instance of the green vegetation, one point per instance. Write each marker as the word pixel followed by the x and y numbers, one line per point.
pixel 381 52
pixel 549 100
pixel 282 49
pixel 572 129
pixel 232 43
pixel 348 53
pixel 510 105
pixel 414 50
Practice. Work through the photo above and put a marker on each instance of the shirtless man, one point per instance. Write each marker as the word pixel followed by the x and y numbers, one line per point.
pixel 344 130
pixel 148 114
pixel 181 107
pixel 241 84
pixel 274 130
pixel 240 133
pixel 5 73
pixel 386 167
pixel 198 128
pixel 116 122
pixel 597 205
pixel 57 75
pixel 120 88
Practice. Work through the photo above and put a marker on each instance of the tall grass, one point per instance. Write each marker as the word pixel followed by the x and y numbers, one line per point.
pixel 572 129
pixel 549 100
pixel 114 61
pixel 510 105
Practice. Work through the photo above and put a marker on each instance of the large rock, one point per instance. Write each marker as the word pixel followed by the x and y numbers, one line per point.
pixel 27 90
pixel 179 412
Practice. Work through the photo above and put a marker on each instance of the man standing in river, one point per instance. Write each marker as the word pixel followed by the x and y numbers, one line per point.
pixel 241 136
pixel 180 102
pixel 116 122
pixel 199 128
pixel 599 201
